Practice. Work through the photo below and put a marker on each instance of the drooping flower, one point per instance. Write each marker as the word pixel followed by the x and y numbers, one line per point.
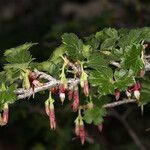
pixel 4 116
pixel 47 108
pixel 70 92
pixel 33 79
pixel 117 94
pixel 75 99
pixel 135 88
pixel 52 116
pixel 84 81
pixel 100 127
pixel 82 132
pixel 52 119
pixel 54 90
pixel 62 93
pixel 137 94
pixel 79 129
pixel 142 72
pixel 128 94
pixel 86 88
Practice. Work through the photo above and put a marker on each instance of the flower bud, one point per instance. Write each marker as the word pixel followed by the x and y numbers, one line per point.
pixel 47 109
pixel 62 92
pixel 135 86
pixel 137 94
pixel 77 127
pixel 4 117
pixel 117 94
pixel 53 90
pixel 142 73
pixel 128 94
pixel 82 133
pixel 70 92
pixel 86 88
pixel 145 46
pixel 100 127
pixel 62 97
pixel 52 116
pixel 75 99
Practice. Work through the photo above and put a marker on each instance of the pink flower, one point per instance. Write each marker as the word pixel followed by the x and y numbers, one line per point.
pixel 137 94
pixel 75 99
pixel 77 128
pixel 128 94
pixel 62 92
pixel 86 88
pixel 100 127
pixel 70 93
pixel 52 119
pixel 135 88
pixel 4 117
pixel 117 94
pixel 47 109
pixel 82 134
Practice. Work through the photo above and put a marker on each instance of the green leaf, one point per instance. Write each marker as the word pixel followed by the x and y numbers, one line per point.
pixel 131 59
pixel 2 77
pixel 86 50
pixel 134 36
pixel 145 92
pixel 19 54
pixel 108 44
pixel 107 38
pixel 122 79
pixel 97 61
pixel 73 46
pixel 8 96
pixel 94 115
pixel 93 42
pixel 103 79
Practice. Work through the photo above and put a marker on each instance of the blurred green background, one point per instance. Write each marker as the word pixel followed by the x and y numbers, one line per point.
pixel 44 21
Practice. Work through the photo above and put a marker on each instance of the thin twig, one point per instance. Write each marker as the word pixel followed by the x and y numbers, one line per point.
pixel 114 104
pixel 23 93
pixel 129 129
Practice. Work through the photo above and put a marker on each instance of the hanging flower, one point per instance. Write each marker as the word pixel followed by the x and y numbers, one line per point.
pixel 70 92
pixel 33 79
pixel 79 127
pixel 135 88
pixel 47 109
pixel 62 93
pixel 82 132
pixel 100 127
pixel 52 116
pixel 54 89
pixel 128 94
pixel 75 99
pixel 86 88
pixel 4 116
pixel 137 94
pixel 117 94
pixel 84 81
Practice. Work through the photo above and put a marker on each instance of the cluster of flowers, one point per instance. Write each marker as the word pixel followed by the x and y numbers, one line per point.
pixel 73 95
pixel 134 89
